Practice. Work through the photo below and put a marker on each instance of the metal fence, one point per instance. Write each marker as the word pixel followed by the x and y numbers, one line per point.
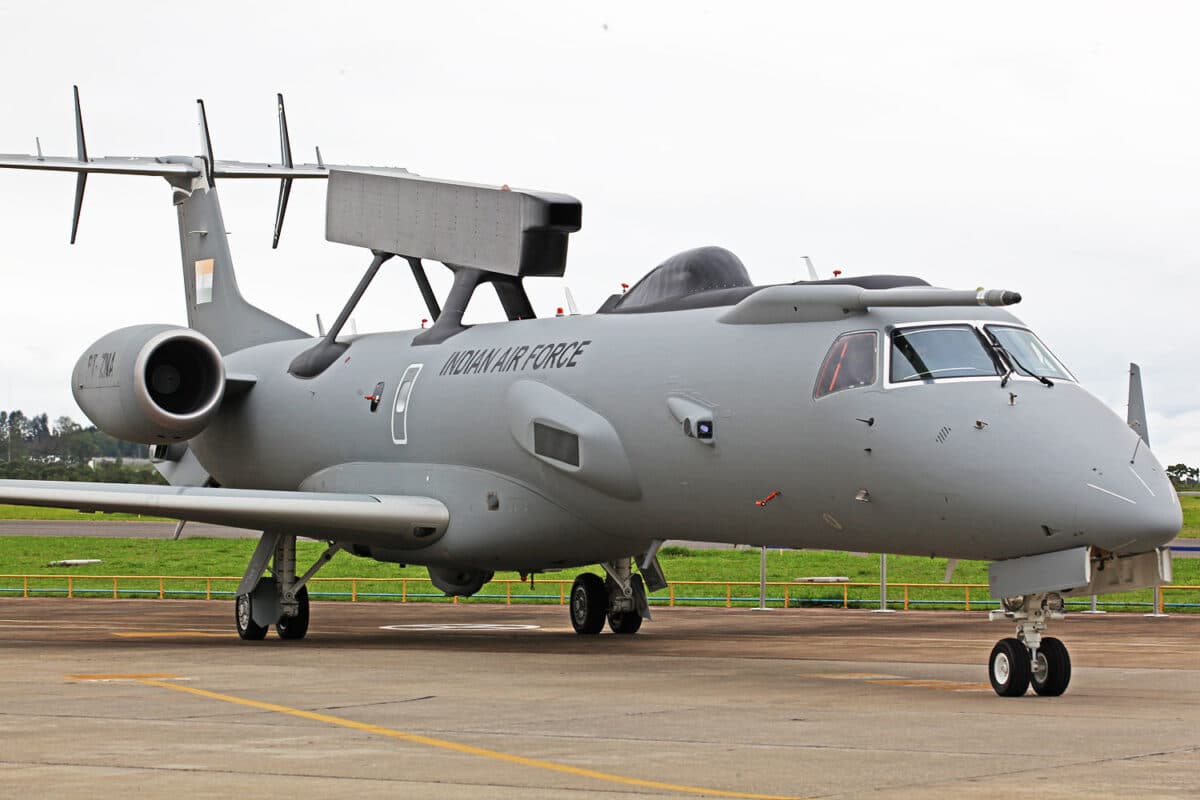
pixel 729 594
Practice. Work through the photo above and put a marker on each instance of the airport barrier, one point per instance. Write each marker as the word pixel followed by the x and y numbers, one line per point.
pixel 510 591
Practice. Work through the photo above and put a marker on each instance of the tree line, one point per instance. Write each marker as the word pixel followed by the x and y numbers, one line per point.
pixel 33 448
pixel 1183 476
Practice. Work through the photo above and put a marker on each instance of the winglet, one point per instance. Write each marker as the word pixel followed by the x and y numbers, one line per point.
pixel 81 178
pixel 206 143
pixel 1136 415
pixel 285 185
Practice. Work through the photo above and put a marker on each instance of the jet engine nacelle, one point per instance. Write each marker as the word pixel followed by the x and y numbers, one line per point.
pixel 150 383
pixel 461 582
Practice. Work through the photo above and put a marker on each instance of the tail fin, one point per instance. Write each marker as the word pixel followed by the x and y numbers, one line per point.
pixel 215 306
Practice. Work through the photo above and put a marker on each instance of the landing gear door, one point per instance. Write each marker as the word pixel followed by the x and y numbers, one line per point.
pixel 402 403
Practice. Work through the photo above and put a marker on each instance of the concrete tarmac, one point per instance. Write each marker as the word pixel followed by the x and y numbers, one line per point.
pixel 160 698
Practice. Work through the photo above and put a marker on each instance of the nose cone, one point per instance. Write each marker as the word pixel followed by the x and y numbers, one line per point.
pixel 1131 512
pixel 1126 503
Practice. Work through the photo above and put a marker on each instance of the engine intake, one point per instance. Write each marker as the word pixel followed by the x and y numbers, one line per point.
pixel 150 383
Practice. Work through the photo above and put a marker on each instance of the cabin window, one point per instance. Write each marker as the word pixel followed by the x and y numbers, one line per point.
pixel 850 363
pixel 560 445
pixel 946 351
pixel 1028 354
pixel 400 409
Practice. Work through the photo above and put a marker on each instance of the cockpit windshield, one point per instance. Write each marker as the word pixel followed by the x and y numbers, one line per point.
pixel 1028 354
pixel 943 351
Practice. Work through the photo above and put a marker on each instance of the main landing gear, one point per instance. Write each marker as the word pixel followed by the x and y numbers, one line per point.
pixel 280 599
pixel 620 598
pixel 1030 658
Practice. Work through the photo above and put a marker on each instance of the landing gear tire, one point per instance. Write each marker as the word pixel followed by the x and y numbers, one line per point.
pixel 295 627
pixel 1051 671
pixel 1008 668
pixel 628 621
pixel 243 617
pixel 624 621
pixel 589 604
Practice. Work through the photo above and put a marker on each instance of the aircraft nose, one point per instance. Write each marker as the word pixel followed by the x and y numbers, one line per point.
pixel 1130 505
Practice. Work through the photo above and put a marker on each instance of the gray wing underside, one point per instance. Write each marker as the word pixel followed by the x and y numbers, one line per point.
pixel 320 515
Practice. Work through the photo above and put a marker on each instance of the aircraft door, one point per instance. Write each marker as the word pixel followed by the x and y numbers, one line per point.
pixel 401 405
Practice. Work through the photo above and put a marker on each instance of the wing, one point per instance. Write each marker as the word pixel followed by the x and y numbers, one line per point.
pixel 320 515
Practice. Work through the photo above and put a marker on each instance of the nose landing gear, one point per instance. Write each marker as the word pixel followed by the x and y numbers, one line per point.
pixel 1029 658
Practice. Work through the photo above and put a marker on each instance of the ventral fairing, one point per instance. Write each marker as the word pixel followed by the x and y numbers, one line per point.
pixel 877 413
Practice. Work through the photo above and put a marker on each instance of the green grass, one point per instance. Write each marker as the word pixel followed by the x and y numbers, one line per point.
pixel 33 512
pixel 26 555
pixel 1191 515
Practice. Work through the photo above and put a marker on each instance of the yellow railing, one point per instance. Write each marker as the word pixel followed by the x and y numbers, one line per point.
pixel 727 593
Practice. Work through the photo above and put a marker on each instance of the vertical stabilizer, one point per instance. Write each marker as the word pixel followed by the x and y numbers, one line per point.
pixel 215 306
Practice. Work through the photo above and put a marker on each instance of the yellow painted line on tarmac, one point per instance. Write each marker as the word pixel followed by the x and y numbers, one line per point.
pixel 947 686
pixel 896 680
pixel 458 747
pixel 123 676
pixel 170 634
pixel 849 676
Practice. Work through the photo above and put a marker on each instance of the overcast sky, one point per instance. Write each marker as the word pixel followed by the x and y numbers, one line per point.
pixel 1048 148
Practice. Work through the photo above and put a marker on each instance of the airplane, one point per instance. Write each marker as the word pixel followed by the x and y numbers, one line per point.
pixel 868 413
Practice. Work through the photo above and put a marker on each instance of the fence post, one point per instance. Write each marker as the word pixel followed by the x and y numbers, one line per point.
pixel 883 606
pixel 670 591
pixel 208 588
pixel 70 586
pixel 161 587
pixel 354 590
pixel 906 597
pixel 845 595
pixel 25 588
pixel 729 595
pixel 1158 603
pixel 967 596
pixel 786 595
pixel 508 593
pixel 404 590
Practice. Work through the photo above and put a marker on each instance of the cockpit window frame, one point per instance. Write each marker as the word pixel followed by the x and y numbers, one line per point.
pixel 980 326
pixel 1018 371
pixel 976 327
pixel 817 394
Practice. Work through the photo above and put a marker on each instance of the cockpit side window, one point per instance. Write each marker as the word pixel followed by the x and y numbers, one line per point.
pixel 945 351
pixel 850 363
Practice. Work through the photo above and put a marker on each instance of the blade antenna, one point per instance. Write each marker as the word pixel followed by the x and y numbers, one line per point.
pixel 206 145
pixel 285 185
pixel 812 271
pixel 81 178
pixel 1136 414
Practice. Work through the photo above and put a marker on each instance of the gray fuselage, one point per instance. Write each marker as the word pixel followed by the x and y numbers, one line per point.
pixel 961 468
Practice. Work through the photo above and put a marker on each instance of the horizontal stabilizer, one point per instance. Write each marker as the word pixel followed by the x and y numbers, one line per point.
pixel 407 521
pixel 165 167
